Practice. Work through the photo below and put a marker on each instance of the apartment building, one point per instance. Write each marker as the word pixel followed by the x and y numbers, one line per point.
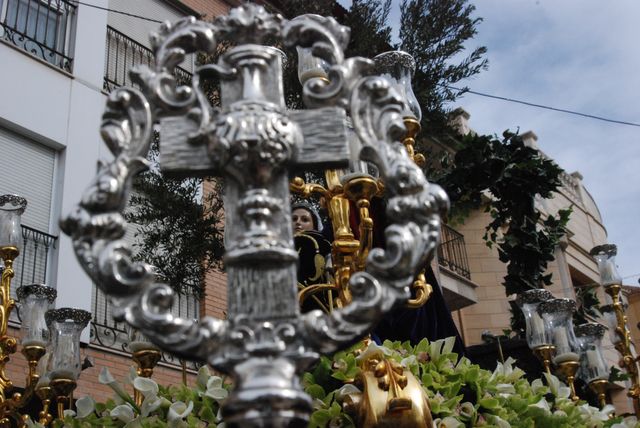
pixel 60 60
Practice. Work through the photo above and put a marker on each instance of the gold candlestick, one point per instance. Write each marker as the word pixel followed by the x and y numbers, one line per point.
pixel 568 370
pixel 62 389
pixel 45 394
pixel 624 346
pixel 600 386
pixel 32 354
pixel 545 354
pixel 146 360
pixel 8 344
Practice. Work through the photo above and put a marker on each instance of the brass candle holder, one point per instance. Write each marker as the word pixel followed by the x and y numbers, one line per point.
pixel 568 370
pixel 545 354
pixel 33 354
pixel 8 344
pixel 599 387
pixel 62 389
pixel 146 360
pixel 45 394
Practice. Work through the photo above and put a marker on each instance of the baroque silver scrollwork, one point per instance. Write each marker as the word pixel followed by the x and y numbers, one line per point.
pixel 252 140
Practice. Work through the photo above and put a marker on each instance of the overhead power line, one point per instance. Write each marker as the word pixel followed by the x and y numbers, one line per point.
pixel 133 15
pixel 482 94
pixel 527 103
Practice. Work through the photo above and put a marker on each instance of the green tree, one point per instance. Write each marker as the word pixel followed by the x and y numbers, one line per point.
pixel 179 230
pixel 436 34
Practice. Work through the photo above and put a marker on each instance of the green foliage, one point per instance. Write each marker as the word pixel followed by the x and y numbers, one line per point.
pixel 435 33
pixel 460 393
pixel 509 176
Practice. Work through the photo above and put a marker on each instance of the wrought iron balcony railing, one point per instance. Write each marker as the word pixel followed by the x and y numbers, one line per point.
pixel 40 27
pixel 122 54
pixel 31 265
pixel 452 253
pixel 107 333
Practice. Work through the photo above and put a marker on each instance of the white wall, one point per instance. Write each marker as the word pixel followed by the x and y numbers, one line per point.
pixel 62 111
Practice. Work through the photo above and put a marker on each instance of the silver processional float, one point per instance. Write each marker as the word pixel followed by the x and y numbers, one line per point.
pixel 253 141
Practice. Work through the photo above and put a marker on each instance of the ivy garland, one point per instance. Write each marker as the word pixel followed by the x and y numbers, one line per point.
pixel 510 175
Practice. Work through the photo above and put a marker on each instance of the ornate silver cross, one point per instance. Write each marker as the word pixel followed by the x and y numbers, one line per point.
pixel 252 140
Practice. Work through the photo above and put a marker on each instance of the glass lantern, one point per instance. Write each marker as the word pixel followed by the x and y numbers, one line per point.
pixel 399 66
pixel 65 327
pixel 592 363
pixel 605 256
pixel 11 209
pixel 528 302
pixel 557 315
pixel 309 66
pixel 35 300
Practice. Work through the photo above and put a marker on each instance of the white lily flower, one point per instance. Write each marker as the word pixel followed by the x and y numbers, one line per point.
pixel 498 421
pixel 539 387
pixel 150 404
pixel 203 377
pixel 447 422
pixel 147 386
pixel 68 412
pixel 123 412
pixel 543 404
pixel 347 389
pixel 177 412
pixel 372 350
pixel 505 389
pixel 409 361
pixel 85 406
pixel 215 389
pixel 559 389
pixel 32 424
pixel 106 378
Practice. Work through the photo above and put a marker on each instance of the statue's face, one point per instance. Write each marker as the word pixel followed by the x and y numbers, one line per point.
pixel 302 220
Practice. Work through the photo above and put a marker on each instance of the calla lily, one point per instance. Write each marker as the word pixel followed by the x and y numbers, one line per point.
pixel 203 377
pixel 85 406
pixel 68 413
pixel 467 410
pixel 542 404
pixel 106 378
pixel 123 412
pixel 177 412
pixel 150 404
pixel 448 422
pixel 147 387
pixel 346 390
pixel 557 388
pixel 372 350
pixel 215 389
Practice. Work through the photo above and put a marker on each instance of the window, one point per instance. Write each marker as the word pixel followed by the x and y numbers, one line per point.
pixel 40 27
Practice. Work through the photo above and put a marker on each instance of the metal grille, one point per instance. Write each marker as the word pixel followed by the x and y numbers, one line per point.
pixel 40 27
pixel 452 253
pixel 107 333
pixel 122 54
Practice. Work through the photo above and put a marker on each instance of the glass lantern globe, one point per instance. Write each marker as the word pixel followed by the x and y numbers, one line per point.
pixel 557 315
pixel 528 302
pixel 65 327
pixel 399 66
pixel 605 256
pixel 592 363
pixel 11 209
pixel 35 301
pixel 309 66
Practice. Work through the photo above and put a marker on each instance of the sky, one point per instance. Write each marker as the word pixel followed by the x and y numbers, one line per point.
pixel 580 55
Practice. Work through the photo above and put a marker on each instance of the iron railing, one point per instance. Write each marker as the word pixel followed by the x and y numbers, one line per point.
pixel 452 253
pixel 122 54
pixel 40 27
pixel 31 266
pixel 107 333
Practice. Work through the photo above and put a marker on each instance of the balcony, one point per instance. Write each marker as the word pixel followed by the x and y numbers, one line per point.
pixel 452 253
pixel 122 53
pixel 40 27
pixel 455 275
pixel 31 266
